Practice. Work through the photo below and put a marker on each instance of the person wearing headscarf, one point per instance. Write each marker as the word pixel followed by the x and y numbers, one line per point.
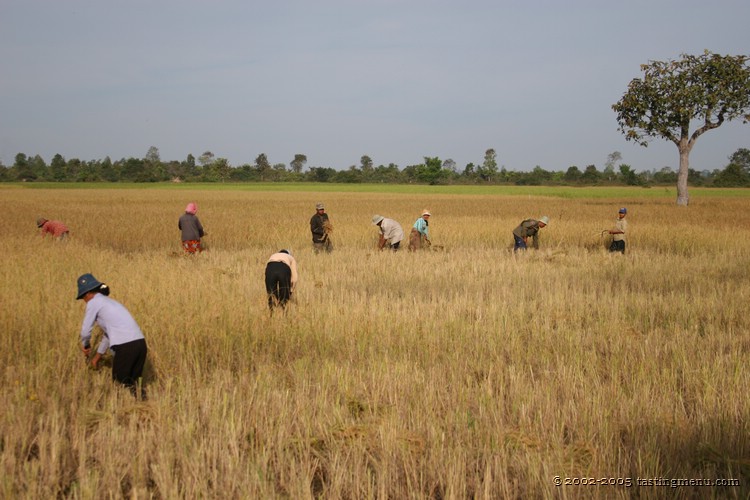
pixel 529 227
pixel 192 230
pixel 54 227
pixel 281 278
pixel 321 229
pixel 122 335
pixel 419 236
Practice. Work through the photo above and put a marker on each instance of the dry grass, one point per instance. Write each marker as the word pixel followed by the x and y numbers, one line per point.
pixel 462 373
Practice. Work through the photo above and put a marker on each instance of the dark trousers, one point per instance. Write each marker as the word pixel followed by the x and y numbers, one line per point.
pixel 278 283
pixel 128 363
pixel 617 246
pixel 519 243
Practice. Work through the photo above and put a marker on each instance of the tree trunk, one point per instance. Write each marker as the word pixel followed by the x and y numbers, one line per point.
pixel 682 174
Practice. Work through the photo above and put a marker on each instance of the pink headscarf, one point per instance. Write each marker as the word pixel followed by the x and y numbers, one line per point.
pixel 191 208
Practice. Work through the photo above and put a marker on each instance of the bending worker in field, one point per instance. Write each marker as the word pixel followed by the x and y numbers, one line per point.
pixel 54 227
pixel 529 227
pixel 121 333
pixel 391 232
pixel 281 278
pixel 321 229
pixel 192 230
pixel 419 237
pixel 618 233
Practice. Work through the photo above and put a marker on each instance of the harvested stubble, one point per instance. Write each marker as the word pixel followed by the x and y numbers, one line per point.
pixel 468 373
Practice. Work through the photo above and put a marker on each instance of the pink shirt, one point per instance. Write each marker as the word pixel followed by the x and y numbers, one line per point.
pixel 54 227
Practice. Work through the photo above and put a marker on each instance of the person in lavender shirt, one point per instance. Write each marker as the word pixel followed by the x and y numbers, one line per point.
pixel 121 333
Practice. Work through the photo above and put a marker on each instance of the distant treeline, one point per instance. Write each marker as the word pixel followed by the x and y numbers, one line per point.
pixel 207 168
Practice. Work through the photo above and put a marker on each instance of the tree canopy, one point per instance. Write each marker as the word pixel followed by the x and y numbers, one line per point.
pixel 433 170
pixel 674 96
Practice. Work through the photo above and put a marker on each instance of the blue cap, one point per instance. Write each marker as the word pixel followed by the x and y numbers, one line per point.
pixel 623 210
pixel 87 283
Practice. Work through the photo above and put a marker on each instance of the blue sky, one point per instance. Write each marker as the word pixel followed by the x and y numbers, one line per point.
pixel 335 79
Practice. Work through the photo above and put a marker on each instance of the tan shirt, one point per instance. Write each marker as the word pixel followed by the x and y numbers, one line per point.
pixel 392 231
pixel 620 225
pixel 289 261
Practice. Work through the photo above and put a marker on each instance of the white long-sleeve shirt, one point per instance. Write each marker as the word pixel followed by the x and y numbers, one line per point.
pixel 392 231
pixel 118 325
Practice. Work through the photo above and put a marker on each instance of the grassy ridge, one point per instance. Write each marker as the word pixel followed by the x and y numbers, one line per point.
pixel 466 372
pixel 551 191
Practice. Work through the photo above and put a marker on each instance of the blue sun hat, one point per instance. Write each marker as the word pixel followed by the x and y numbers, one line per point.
pixel 87 283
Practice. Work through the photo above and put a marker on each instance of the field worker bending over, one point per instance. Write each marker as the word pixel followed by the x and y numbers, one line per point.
pixel 54 227
pixel 321 229
pixel 192 230
pixel 121 333
pixel 419 236
pixel 618 233
pixel 529 227
pixel 281 278
pixel 390 232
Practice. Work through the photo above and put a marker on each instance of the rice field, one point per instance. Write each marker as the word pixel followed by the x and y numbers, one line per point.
pixel 464 372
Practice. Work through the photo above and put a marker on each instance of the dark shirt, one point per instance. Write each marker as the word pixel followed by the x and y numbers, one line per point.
pixel 529 227
pixel 317 227
pixel 191 227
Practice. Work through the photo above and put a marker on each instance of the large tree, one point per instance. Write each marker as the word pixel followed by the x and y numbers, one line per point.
pixel 298 163
pixel 741 157
pixel 263 167
pixel 489 167
pixel 153 165
pixel 57 168
pixel 23 168
pixel 366 163
pixel 222 168
pixel 674 96
pixel 737 173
